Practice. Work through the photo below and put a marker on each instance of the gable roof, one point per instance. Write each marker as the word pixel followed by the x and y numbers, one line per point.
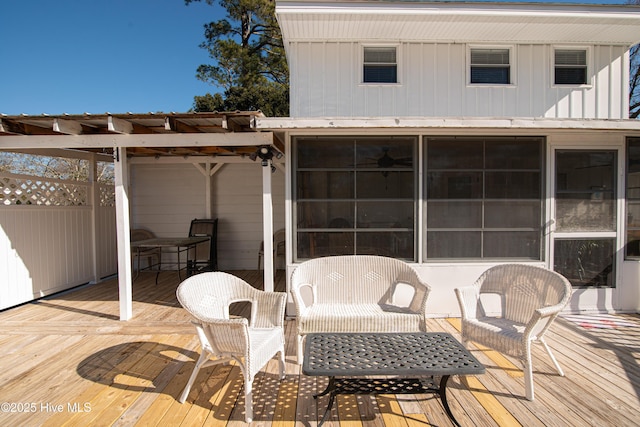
pixel 371 21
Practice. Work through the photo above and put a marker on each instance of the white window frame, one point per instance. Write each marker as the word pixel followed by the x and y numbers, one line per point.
pixel 398 62
pixel 512 65
pixel 480 139
pixel 356 229
pixel 590 143
pixel 588 66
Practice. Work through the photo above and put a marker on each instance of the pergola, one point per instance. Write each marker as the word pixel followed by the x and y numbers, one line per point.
pixel 208 140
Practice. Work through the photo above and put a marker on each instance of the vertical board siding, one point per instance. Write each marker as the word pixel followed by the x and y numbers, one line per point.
pixel 106 242
pixel 237 196
pixel 433 83
pixel 167 197
pixel 164 200
pixel 45 250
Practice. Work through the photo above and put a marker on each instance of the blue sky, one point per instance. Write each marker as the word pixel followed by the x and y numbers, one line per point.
pixel 97 56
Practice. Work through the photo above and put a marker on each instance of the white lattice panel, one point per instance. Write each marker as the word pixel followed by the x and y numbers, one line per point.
pixel 37 191
pixel 107 195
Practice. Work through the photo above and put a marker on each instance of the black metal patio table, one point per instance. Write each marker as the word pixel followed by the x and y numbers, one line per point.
pixel 357 357
pixel 175 245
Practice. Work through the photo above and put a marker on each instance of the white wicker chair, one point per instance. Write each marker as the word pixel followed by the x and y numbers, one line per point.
pixel 531 298
pixel 251 343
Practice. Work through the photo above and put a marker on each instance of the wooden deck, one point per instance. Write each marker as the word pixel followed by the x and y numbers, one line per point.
pixel 68 360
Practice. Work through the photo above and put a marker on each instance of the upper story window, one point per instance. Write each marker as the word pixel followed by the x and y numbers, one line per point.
pixel 490 66
pixel 380 65
pixel 570 66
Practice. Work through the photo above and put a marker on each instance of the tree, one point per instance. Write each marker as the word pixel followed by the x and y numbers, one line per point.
pixel 634 82
pixel 250 63
pixel 62 168
pixel 634 77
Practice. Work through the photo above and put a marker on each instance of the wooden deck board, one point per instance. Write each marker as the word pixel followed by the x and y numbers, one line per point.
pixel 71 349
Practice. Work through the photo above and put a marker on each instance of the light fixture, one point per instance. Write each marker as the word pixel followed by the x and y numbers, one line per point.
pixel 265 153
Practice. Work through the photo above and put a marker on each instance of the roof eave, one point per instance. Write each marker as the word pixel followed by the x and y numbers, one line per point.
pixel 461 22
pixel 403 123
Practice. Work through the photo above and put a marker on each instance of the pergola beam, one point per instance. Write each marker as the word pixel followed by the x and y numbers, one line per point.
pixel 117 125
pixel 70 127
pixel 230 125
pixel 15 128
pixel 176 125
pixel 86 141
pixel 59 152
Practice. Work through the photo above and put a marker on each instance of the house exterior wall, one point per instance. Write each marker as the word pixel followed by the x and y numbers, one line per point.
pixel 326 82
pixel 166 197
pixel 444 276
pixel 237 202
pixel 433 97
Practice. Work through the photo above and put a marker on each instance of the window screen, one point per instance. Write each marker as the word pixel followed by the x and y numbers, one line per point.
pixel 490 66
pixel 570 67
pixel 355 195
pixel 633 198
pixel 380 65
pixel 484 198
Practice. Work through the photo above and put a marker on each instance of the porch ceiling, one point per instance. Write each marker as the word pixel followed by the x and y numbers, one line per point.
pixel 144 135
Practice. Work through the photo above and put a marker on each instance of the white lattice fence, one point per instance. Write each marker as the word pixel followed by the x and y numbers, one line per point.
pixel 107 195
pixel 24 190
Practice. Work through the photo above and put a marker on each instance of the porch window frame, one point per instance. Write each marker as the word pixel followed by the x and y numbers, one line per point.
pixel 615 235
pixel 629 200
pixel 355 228
pixel 426 257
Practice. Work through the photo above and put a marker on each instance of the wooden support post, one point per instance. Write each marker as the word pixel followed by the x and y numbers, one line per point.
pixel 267 217
pixel 122 231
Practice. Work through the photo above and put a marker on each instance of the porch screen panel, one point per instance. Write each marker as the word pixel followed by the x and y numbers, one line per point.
pixel 632 247
pixel 355 195
pixel 484 198
pixel 586 200
pixel 585 191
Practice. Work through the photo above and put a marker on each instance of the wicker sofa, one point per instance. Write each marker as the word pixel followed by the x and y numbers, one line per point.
pixel 357 293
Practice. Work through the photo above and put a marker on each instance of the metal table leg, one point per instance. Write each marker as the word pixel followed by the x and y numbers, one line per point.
pixel 443 398
pixel 331 389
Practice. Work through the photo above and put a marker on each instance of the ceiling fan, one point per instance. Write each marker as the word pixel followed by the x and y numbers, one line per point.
pixel 386 161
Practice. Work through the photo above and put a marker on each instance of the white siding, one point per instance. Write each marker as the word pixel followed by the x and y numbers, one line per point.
pixel 45 250
pixel 106 241
pixel 167 197
pixel 237 198
pixel 326 76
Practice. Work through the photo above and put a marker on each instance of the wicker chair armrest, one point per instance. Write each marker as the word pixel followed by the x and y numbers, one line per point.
pixel 301 305
pixel 269 309
pixel 468 297
pixel 541 320
pixel 226 336
pixel 421 289
pixel 232 322
pixel 550 310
